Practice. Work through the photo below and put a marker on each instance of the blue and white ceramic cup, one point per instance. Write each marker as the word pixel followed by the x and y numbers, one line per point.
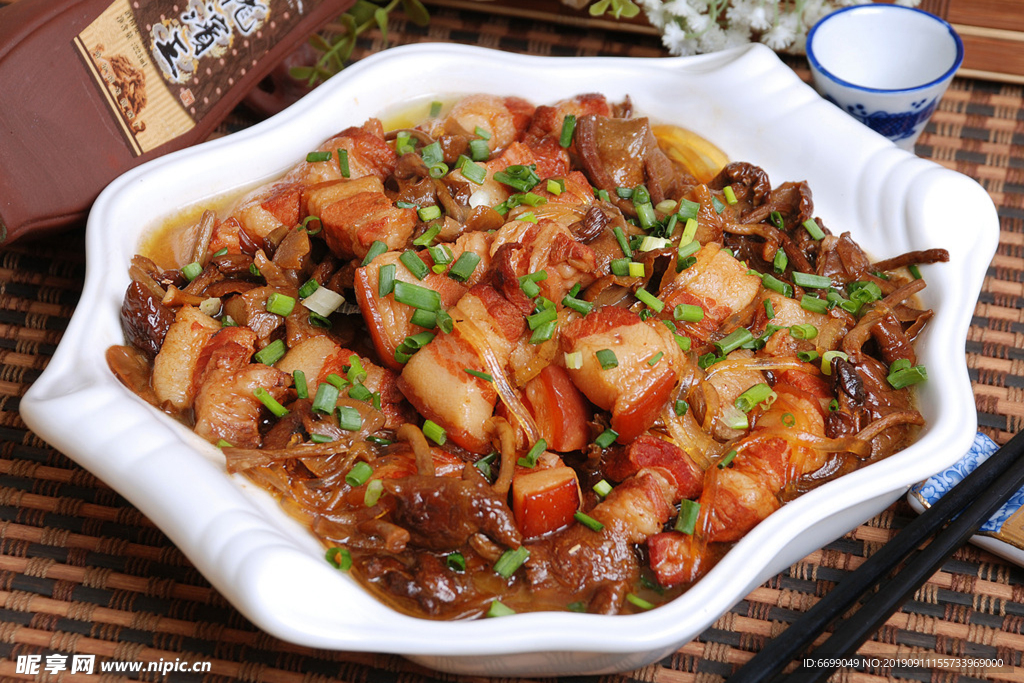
pixel 886 65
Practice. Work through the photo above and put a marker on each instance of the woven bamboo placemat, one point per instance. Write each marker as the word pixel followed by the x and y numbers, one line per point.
pixel 82 572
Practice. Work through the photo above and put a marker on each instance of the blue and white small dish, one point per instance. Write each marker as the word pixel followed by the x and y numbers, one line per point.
pixel 886 65
pixel 1003 533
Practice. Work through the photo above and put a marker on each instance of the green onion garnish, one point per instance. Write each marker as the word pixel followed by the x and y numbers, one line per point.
pixel 313 157
pixel 545 316
pixel 776 285
pixel 360 393
pixel 359 474
pixel 813 229
pixel 417 296
pixel 429 213
pixel 340 558
pixel 386 279
pixel 807 356
pixel 579 305
pixel 636 269
pixel 588 521
pixel 374 490
pixel 602 488
pixel 811 281
pixel 906 376
pixel 638 601
pixel 480 375
pixel 717 204
pixel 689 313
pixel 280 304
pixel 769 309
pixel 530 459
pixel 423 318
pixel 687 209
pixel 473 171
pixel 464 266
pixel 686 521
pixel 653 302
pixel 733 340
pixel 272 352
pixel 620 237
pixel 780 261
pixel 806 331
pixel 308 288
pixel 753 396
pixel 192 271
pixel 270 402
pixel 499 609
pixel 914 271
pixel 375 250
pixel 337 381
pixel 607 359
pixel 510 561
pixel 301 389
pixel 415 264
pixel 456 562
pixel 427 238
pixel 343 162
pixel 432 153
pixel 326 397
pixel 555 186
pixel 568 127
pixel 680 407
pixel 435 109
pixel 574 360
pixel 606 438
pixel 544 332
pixel 730 195
pixel 349 419
pixel 484 465
pixel 434 432
pixel 726 460
pixel 653 360
pixel 813 304
pixel 826 360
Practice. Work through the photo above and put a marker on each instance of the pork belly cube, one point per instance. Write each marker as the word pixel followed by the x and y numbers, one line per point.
pixel 175 365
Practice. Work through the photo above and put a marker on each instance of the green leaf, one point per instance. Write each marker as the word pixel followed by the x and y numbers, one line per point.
pixel 416 12
pixel 626 9
pixel 362 11
pixel 319 42
pixel 599 7
pixel 301 73
pixel 381 15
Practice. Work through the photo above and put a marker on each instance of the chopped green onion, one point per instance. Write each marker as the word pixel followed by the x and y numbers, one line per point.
pixel 689 313
pixel 686 521
pixel 708 359
pixel 680 407
pixel 415 264
pixel 417 296
pixel 192 271
pixel 833 405
pixel 606 438
pixel 638 601
pixel 726 460
pixel 519 177
pixel 530 459
pixel 811 281
pixel 813 229
pixel 717 204
pixel 337 381
pixel 423 318
pixel 620 237
pixel 806 331
pixel 349 419
pixel 636 269
pixel 568 127
pixel 645 214
pixel 653 360
pixel 254 271
pixel 326 398
pixel 386 279
pixel 280 304
pixel 769 309
pixel 375 250
pixel 473 171
pixel 222 443
pixel 687 209
pixel 689 231
pixel 429 213
pixel 374 490
pixel 545 316
pixel 607 359
pixel 730 195
pixel 588 521
pixel 653 302
pixel 580 306
pixel 313 157
pixel 510 561
pixel 308 288
pixel 776 285
pixel 435 109
pixel 432 153
pixel 456 562
pixel 439 170
pixel 359 474
pixel 272 352
pixel 756 394
pixel 826 360
pixel 574 360
pixel 270 402
pixel 914 271
pixel 650 243
pixel 602 488
pixel 682 342
pixel 780 261
pixel 464 266
pixel 427 238
pixel 301 388
pixel 219 252
pixel 807 356
pixel 484 465
pixel 400 204
pixel 499 609
pixel 378 440
pixel 788 419
pixel 555 186
pixel 620 267
pixel 813 304
pixel 360 393
pixel 479 375
pixel 343 163
pixel 434 432
pixel 907 376
pixel 776 219
pixel 733 340
pixel 544 332
pixel 339 558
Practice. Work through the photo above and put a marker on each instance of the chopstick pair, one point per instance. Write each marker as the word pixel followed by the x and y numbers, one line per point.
pixel 952 520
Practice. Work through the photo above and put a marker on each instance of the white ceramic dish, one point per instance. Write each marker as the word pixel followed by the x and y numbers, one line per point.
pixel 746 101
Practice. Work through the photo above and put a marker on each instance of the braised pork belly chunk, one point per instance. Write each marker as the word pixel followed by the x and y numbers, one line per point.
pixel 517 358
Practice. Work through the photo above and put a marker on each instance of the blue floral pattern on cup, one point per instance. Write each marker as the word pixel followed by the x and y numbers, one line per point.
pixel 897 125
pixel 933 488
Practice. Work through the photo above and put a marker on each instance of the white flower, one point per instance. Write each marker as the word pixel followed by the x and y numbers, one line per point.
pixel 699 23
pixel 783 33
pixel 678 41
pixel 655 12
pixel 736 36
pixel 713 39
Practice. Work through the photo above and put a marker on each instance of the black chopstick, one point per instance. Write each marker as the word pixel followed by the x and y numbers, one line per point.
pixel 961 511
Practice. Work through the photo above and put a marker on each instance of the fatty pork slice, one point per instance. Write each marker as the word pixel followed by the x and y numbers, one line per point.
pixel 717 282
pixel 435 379
pixel 261 213
pixel 635 389
pixel 505 118
pixel 389 321
pixel 548 246
pixel 175 365
pixel 226 406
pixel 356 213
pixel 367 152
pixel 545 130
